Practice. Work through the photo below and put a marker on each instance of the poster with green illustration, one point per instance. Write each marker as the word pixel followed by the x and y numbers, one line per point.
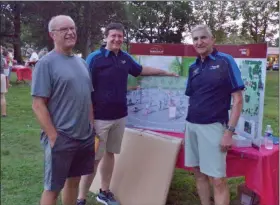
pixel 176 64
pixel 152 101
pixel 159 103
pixel 253 72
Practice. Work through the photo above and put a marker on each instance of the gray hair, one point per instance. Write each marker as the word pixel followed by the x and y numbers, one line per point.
pixel 53 19
pixel 202 27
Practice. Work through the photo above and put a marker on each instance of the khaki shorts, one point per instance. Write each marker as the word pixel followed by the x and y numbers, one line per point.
pixel 110 133
pixel 3 84
pixel 202 148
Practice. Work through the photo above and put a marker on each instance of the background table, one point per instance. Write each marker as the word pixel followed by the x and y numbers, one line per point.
pixel 23 73
pixel 260 168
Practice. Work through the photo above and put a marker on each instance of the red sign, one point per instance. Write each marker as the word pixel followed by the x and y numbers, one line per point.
pixel 156 50
pixel 237 51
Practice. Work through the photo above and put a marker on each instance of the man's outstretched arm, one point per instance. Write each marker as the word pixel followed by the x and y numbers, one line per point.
pixel 148 71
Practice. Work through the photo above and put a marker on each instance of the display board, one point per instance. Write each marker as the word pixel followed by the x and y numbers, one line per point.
pixel 159 103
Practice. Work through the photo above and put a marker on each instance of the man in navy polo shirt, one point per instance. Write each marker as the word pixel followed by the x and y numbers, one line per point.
pixel 110 67
pixel 213 79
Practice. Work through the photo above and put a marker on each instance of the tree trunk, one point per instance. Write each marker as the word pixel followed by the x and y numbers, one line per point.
pixel 85 40
pixel 85 49
pixel 50 45
pixel 17 42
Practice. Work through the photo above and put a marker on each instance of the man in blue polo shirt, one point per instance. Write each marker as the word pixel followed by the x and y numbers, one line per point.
pixel 110 67
pixel 213 79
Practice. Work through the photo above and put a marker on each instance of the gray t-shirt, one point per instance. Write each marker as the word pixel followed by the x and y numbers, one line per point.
pixel 66 82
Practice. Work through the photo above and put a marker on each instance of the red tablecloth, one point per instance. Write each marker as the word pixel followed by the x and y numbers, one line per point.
pixel 23 73
pixel 260 168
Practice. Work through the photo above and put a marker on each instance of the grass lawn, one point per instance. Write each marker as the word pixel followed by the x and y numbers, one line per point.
pixel 22 156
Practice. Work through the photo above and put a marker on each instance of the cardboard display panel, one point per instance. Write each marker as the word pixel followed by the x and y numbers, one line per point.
pixel 144 168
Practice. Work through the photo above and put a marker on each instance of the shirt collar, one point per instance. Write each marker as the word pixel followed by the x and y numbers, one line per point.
pixel 107 52
pixel 211 56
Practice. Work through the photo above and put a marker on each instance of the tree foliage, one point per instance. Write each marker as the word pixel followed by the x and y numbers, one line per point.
pixel 6 29
pixel 88 22
pixel 261 19
pixel 26 22
pixel 159 22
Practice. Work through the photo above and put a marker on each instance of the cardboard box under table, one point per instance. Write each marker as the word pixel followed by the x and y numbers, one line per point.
pixel 247 196
pixel 144 168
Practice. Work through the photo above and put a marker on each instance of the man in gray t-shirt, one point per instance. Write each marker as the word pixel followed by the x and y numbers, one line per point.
pixel 65 82
pixel 61 90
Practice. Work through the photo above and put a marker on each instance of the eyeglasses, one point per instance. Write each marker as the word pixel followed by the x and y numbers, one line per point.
pixel 65 30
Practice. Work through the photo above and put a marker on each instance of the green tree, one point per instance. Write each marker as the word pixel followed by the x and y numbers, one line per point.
pixel 35 16
pixel 274 42
pixel 236 39
pixel 159 22
pixel 11 27
pixel 218 15
pixel 6 20
pixel 35 19
pixel 261 19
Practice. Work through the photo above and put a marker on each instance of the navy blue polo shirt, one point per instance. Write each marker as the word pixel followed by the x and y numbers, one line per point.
pixel 210 85
pixel 109 74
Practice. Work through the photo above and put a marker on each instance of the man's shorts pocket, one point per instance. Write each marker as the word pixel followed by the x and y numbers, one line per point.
pixel 58 138
pixel 45 141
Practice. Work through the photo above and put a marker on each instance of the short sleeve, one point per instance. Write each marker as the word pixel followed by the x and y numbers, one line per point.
pixel 41 80
pixel 234 75
pixel 89 62
pixel 89 73
pixel 91 59
pixel 188 85
pixel 135 68
pixel 90 65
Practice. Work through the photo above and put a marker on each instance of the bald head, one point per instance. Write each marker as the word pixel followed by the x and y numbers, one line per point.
pixel 62 30
pixel 57 20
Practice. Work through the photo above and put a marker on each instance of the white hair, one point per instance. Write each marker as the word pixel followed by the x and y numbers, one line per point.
pixel 53 21
pixel 202 27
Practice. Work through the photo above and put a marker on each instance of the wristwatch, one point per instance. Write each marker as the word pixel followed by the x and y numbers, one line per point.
pixel 230 128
